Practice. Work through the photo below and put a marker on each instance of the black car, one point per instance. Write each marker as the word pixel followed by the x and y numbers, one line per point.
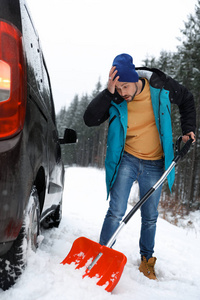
pixel 31 168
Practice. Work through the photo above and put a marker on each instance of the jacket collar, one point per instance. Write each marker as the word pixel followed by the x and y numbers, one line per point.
pixel 155 76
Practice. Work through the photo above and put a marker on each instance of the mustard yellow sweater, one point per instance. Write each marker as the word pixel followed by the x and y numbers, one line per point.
pixel 142 138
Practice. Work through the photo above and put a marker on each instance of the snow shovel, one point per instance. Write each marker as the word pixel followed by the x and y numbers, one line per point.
pixel 102 262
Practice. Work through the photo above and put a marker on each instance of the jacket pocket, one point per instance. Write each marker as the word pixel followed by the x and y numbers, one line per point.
pixel 169 110
pixel 111 120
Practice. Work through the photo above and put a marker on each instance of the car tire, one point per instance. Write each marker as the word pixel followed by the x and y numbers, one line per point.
pixel 14 261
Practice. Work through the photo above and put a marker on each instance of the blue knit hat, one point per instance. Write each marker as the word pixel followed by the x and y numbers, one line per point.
pixel 125 67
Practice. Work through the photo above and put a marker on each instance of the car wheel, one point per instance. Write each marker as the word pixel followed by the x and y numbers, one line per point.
pixel 13 262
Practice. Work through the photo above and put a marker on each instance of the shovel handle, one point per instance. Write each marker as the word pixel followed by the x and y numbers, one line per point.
pixel 181 152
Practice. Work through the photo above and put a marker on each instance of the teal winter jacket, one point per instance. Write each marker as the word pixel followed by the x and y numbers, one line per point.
pixel 164 91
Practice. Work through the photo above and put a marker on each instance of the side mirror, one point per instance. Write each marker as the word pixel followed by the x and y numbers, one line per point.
pixel 70 137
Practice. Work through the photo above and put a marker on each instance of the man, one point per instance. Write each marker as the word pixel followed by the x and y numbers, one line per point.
pixel 139 143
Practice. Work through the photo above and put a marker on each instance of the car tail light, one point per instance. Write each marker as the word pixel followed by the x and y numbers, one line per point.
pixel 12 81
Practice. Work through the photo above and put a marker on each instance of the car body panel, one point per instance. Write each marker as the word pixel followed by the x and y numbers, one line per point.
pixel 32 157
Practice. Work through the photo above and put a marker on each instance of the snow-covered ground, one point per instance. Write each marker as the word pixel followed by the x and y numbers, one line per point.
pixel 177 251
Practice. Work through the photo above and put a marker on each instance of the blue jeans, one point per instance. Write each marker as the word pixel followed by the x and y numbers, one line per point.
pixel 147 173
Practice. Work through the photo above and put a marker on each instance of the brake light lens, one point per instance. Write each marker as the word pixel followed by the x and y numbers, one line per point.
pixel 12 81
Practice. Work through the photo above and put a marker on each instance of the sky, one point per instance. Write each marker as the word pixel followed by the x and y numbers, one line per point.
pixel 80 38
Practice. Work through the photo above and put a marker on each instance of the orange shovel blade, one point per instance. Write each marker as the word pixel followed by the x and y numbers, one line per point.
pixel 108 268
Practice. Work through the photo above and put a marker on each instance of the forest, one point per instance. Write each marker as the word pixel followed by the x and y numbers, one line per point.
pixel 90 150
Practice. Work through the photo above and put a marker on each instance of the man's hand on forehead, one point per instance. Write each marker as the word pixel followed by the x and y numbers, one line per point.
pixel 112 80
